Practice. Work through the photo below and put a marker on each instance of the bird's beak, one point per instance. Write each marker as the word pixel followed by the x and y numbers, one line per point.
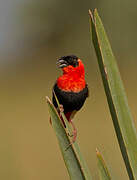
pixel 61 63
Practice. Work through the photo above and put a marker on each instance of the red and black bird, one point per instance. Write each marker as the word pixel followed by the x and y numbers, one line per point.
pixel 70 88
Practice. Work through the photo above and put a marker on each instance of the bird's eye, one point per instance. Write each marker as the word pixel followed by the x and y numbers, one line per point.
pixel 74 62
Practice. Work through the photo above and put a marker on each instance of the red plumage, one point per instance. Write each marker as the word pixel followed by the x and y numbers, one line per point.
pixel 73 78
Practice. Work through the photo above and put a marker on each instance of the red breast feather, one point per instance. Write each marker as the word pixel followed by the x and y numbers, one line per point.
pixel 73 78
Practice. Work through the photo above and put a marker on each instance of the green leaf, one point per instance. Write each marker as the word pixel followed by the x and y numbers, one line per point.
pixel 116 97
pixel 72 156
pixel 103 171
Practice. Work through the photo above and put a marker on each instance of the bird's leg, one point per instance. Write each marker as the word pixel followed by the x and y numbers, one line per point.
pixel 74 131
pixel 74 135
pixel 69 117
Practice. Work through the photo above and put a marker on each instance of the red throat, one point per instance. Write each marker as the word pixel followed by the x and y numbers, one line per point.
pixel 73 78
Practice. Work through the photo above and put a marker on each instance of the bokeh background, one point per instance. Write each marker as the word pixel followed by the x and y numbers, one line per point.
pixel 33 34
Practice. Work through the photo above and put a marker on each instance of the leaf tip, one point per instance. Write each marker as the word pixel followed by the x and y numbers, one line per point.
pixel 95 11
pixel 97 150
pixel 98 153
pixel 48 100
pixel 91 15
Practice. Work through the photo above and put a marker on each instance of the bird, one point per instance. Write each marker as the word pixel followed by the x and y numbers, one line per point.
pixel 70 88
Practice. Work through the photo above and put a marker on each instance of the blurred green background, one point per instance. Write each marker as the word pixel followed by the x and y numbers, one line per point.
pixel 33 34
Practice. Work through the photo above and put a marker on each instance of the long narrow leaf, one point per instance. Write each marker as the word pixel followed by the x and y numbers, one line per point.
pixel 116 97
pixel 73 159
pixel 75 145
pixel 103 170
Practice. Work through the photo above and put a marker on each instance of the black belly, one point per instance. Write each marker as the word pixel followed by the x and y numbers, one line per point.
pixel 70 100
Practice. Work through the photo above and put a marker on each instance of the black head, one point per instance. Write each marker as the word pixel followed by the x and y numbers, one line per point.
pixel 65 61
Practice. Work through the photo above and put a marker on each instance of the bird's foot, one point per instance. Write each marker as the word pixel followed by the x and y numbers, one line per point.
pixel 61 109
pixel 74 131
pixel 70 135
pixel 74 134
